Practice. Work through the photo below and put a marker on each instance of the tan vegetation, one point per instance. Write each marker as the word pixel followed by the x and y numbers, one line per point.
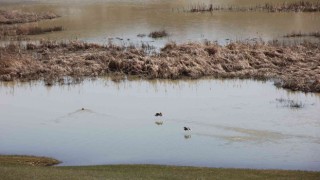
pixel 27 160
pixel 26 30
pixel 295 67
pixel 15 16
pixel 300 34
pixel 301 6
pixel 9 27
pixel 158 34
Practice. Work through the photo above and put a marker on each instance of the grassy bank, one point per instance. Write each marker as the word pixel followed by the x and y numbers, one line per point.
pixel 17 171
pixel 295 67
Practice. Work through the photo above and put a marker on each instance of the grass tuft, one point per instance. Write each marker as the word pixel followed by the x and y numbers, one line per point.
pixel 158 34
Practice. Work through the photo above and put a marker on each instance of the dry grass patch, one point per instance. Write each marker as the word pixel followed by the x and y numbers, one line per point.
pixel 15 16
pixel 301 6
pixel 295 67
pixel 300 34
pixel 158 34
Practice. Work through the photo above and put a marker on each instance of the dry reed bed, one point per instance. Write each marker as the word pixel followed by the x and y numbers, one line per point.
pixel 301 6
pixel 26 30
pixel 10 19
pixel 300 34
pixel 158 34
pixel 15 16
pixel 295 67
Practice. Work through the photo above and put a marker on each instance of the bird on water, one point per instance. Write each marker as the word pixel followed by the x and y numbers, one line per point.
pixel 158 114
pixel 186 129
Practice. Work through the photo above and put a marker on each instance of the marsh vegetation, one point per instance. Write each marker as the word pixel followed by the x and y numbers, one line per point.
pixel 300 34
pixel 13 24
pixel 301 6
pixel 17 16
pixel 158 34
pixel 49 60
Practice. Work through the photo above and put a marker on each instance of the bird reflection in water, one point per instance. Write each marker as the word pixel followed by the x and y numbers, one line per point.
pixel 159 123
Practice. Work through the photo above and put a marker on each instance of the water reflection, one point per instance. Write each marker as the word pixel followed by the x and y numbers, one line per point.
pixel 159 122
pixel 98 21
pixel 187 136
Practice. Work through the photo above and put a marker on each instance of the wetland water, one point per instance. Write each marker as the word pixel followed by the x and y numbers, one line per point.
pixel 234 123
pixel 103 20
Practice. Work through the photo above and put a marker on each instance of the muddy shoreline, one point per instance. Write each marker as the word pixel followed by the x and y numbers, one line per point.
pixel 294 67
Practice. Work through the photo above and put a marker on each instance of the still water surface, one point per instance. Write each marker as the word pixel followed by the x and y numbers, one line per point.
pixel 102 21
pixel 234 123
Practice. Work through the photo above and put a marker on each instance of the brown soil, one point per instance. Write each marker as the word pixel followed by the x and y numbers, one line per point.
pixel 27 160
pixel 295 67
pixel 15 16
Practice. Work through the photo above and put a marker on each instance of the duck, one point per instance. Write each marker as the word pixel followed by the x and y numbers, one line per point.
pixel 186 128
pixel 158 114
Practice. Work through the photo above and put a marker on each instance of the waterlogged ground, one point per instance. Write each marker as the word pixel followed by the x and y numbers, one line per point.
pixel 102 21
pixel 234 123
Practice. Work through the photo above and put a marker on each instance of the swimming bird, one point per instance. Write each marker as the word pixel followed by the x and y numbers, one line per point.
pixel 186 129
pixel 158 114
pixel 82 109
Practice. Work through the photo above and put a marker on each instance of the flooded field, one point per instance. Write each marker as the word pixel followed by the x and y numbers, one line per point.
pixel 241 124
pixel 56 99
pixel 121 21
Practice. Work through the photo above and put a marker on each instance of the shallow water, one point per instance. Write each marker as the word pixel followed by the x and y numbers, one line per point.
pixel 102 21
pixel 234 123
